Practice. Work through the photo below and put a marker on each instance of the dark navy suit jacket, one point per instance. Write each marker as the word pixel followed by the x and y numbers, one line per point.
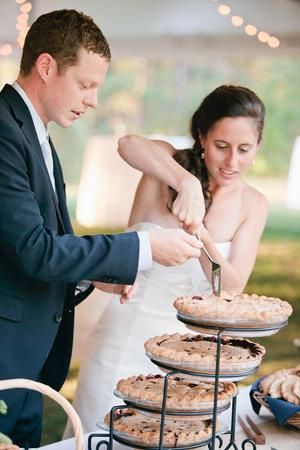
pixel 40 258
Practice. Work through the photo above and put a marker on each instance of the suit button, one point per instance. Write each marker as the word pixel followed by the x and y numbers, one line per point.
pixel 58 317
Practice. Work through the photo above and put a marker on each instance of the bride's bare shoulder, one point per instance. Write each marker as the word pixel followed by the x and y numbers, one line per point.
pixel 255 200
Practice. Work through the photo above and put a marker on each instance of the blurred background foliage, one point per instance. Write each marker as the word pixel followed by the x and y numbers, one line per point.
pixel 148 97
pixel 159 96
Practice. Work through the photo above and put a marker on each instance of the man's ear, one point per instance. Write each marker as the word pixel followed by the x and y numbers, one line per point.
pixel 45 64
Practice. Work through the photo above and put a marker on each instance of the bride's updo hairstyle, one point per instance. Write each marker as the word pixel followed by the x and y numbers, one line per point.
pixel 224 101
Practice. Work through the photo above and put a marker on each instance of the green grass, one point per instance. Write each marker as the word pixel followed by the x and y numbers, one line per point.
pixel 276 273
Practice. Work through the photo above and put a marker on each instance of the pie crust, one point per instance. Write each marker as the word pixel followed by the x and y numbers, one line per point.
pixel 284 383
pixel 199 351
pixel 252 309
pixel 183 393
pixel 136 427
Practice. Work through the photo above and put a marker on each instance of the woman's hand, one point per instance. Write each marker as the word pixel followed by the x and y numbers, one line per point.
pixel 189 206
pixel 8 447
pixel 125 291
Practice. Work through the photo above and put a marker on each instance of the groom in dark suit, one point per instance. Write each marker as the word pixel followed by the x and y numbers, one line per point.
pixel 64 62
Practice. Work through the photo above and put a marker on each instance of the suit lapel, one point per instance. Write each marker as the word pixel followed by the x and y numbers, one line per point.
pixel 23 118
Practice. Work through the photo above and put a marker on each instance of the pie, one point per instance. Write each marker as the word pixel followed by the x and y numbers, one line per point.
pixel 238 308
pixel 183 393
pixel 137 427
pixel 284 383
pixel 197 350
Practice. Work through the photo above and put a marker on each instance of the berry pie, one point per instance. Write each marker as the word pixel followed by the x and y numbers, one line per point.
pixel 235 308
pixel 198 352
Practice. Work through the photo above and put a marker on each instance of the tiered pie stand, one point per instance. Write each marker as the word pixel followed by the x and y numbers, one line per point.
pixel 164 413
pixel 219 330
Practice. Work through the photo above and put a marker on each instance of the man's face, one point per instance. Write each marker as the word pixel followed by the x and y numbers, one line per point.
pixel 68 95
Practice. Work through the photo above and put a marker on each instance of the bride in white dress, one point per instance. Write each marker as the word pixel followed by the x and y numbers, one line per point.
pixel 225 145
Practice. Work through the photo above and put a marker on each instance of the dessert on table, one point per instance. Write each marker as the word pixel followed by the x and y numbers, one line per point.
pixel 135 427
pixel 197 352
pixel 184 393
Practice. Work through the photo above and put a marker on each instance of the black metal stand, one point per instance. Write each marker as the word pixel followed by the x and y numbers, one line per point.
pixel 108 443
pixel 232 444
pixel 211 442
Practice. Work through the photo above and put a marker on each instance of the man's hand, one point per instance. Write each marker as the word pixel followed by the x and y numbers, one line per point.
pixel 125 291
pixel 173 246
pixel 189 206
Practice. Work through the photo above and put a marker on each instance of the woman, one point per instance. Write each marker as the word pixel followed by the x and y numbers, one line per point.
pixel 227 131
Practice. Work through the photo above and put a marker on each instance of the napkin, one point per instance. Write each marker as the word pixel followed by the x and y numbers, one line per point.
pixel 281 409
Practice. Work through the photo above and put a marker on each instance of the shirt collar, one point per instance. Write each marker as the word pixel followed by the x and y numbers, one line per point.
pixel 41 130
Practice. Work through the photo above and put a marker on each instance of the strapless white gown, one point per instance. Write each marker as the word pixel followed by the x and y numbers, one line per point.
pixel 115 348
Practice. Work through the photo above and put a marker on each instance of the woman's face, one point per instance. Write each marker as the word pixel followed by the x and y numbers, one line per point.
pixel 229 148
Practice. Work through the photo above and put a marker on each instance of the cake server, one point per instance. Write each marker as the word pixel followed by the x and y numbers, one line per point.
pixel 215 274
pixel 254 433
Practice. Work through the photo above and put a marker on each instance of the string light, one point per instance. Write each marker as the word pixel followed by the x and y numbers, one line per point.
pixel 23 17
pixel 21 25
pixel 263 37
pixel 224 9
pixel 249 29
pixel 5 49
pixel 273 42
pixel 26 8
pixel 237 21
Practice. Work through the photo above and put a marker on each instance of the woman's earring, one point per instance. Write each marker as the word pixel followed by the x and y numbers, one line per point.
pixel 202 155
pixel 253 162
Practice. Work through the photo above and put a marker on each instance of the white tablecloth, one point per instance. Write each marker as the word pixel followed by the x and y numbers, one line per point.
pixel 278 438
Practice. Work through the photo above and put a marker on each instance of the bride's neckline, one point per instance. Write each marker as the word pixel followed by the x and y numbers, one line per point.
pixel 155 225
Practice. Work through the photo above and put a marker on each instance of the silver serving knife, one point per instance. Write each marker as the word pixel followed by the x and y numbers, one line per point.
pixel 215 274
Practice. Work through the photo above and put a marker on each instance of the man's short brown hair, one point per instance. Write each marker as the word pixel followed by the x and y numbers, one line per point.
pixel 62 33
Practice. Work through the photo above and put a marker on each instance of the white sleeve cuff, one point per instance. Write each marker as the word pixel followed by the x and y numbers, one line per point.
pixel 145 256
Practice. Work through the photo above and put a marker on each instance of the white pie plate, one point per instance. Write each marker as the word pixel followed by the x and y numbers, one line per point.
pixel 204 415
pixel 127 439
pixel 240 328
pixel 235 372
pixel 205 409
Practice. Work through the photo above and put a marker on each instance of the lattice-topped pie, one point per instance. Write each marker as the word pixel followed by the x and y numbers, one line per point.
pixel 198 350
pixel 235 308
pixel 136 427
pixel 183 393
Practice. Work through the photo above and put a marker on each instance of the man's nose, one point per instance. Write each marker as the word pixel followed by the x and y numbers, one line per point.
pixel 91 99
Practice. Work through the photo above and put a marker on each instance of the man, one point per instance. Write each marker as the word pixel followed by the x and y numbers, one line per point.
pixel 64 62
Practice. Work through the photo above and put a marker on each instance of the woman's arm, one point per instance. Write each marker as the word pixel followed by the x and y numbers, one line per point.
pixel 238 267
pixel 155 158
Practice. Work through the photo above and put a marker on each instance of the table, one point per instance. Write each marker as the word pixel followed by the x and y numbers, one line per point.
pixel 280 438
